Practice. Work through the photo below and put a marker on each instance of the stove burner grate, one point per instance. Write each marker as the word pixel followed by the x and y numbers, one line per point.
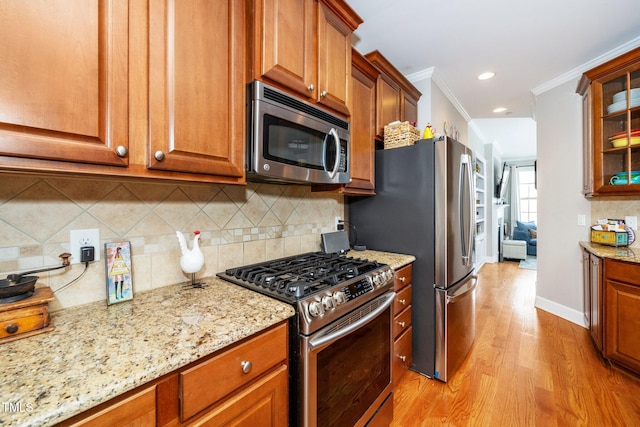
pixel 302 275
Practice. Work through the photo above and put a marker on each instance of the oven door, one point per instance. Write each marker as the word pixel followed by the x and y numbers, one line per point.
pixel 346 367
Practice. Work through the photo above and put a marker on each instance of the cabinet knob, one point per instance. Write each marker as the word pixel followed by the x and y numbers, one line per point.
pixel 246 366
pixel 11 329
pixel 401 324
pixel 122 151
pixel 402 301
pixel 159 155
pixel 324 93
pixel 403 358
pixel 311 87
pixel 402 279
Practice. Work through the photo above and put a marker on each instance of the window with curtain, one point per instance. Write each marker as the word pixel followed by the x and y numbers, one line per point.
pixel 528 194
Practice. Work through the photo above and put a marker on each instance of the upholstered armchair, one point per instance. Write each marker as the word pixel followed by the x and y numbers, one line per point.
pixel 527 231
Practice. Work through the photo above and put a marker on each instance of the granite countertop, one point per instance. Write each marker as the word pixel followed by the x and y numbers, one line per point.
pixel 395 261
pixel 98 352
pixel 621 253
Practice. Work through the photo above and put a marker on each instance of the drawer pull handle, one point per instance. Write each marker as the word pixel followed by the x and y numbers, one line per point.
pixel 403 358
pixel 402 301
pixel 11 329
pixel 401 324
pixel 122 151
pixel 402 279
pixel 246 366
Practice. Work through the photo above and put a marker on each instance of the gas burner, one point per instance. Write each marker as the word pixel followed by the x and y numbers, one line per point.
pixel 321 287
pixel 300 276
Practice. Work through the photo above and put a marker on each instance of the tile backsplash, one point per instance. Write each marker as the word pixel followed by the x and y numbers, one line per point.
pixel 238 224
pixel 616 208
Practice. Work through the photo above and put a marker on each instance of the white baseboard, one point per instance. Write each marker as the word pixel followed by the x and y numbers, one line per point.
pixel 573 316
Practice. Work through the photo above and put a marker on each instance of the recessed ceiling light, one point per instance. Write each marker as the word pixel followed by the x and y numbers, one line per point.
pixel 486 76
pixel 500 110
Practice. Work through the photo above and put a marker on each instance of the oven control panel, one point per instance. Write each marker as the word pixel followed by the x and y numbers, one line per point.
pixel 332 300
pixel 358 288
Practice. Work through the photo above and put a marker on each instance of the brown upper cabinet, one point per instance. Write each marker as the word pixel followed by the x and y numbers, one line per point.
pixel 124 88
pixel 396 97
pixel 363 115
pixel 304 46
pixel 64 91
pixel 611 114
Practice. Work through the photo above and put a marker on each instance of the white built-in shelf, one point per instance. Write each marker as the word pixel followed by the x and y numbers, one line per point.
pixel 480 194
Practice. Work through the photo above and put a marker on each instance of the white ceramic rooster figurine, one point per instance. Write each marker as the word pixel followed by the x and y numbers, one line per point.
pixel 192 259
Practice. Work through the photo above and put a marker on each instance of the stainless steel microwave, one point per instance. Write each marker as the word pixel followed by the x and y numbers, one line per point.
pixel 293 141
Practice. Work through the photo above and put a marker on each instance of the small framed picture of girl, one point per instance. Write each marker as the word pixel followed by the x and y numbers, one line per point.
pixel 119 274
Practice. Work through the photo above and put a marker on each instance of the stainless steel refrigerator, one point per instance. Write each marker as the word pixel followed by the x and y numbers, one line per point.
pixel 424 206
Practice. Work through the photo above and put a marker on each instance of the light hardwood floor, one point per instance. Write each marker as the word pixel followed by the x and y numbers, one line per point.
pixel 527 367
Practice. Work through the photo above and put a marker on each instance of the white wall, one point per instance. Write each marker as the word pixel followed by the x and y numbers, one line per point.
pixel 434 107
pixel 424 103
pixel 560 201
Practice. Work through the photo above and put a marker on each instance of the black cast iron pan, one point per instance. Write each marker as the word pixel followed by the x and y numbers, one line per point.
pixel 23 286
pixel 19 286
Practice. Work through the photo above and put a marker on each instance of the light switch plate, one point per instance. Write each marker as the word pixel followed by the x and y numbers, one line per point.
pixel 582 220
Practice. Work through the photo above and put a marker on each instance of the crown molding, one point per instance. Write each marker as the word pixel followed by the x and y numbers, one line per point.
pixel 421 75
pixel 578 71
pixel 431 73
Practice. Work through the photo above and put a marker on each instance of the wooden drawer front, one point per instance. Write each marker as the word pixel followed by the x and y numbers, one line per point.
pixel 403 277
pixel 627 272
pixel 264 403
pixel 138 410
pixel 401 322
pixel 402 300
pixel 20 321
pixel 402 355
pixel 209 381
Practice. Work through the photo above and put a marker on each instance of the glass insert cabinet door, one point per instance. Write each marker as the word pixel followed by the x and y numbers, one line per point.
pixel 621 130
pixel 615 124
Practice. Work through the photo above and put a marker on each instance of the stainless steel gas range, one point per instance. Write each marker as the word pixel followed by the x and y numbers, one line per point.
pixel 340 337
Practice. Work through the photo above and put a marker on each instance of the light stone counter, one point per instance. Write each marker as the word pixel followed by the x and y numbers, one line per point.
pixel 395 261
pixel 604 251
pixel 98 352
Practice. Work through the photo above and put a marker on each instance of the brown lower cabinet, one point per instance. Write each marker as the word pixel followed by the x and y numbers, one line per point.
pixel 245 384
pixel 402 330
pixel 622 313
pixel 593 296
pixel 137 410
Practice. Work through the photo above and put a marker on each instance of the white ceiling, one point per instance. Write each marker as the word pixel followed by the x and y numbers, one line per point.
pixel 531 45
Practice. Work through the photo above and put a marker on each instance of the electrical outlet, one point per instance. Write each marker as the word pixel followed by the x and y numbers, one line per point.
pixel 82 238
pixel 631 222
pixel 339 224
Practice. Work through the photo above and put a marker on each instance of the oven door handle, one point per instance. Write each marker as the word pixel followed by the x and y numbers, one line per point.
pixel 322 339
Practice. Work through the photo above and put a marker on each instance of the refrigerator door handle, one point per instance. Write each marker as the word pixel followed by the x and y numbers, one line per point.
pixel 451 299
pixel 466 209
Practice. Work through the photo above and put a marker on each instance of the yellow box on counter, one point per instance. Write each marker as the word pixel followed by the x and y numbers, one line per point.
pixel 611 238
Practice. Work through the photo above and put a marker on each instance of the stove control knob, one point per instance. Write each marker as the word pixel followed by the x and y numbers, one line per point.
pixel 328 303
pixel 315 309
pixel 340 297
pixel 378 280
pixel 388 275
